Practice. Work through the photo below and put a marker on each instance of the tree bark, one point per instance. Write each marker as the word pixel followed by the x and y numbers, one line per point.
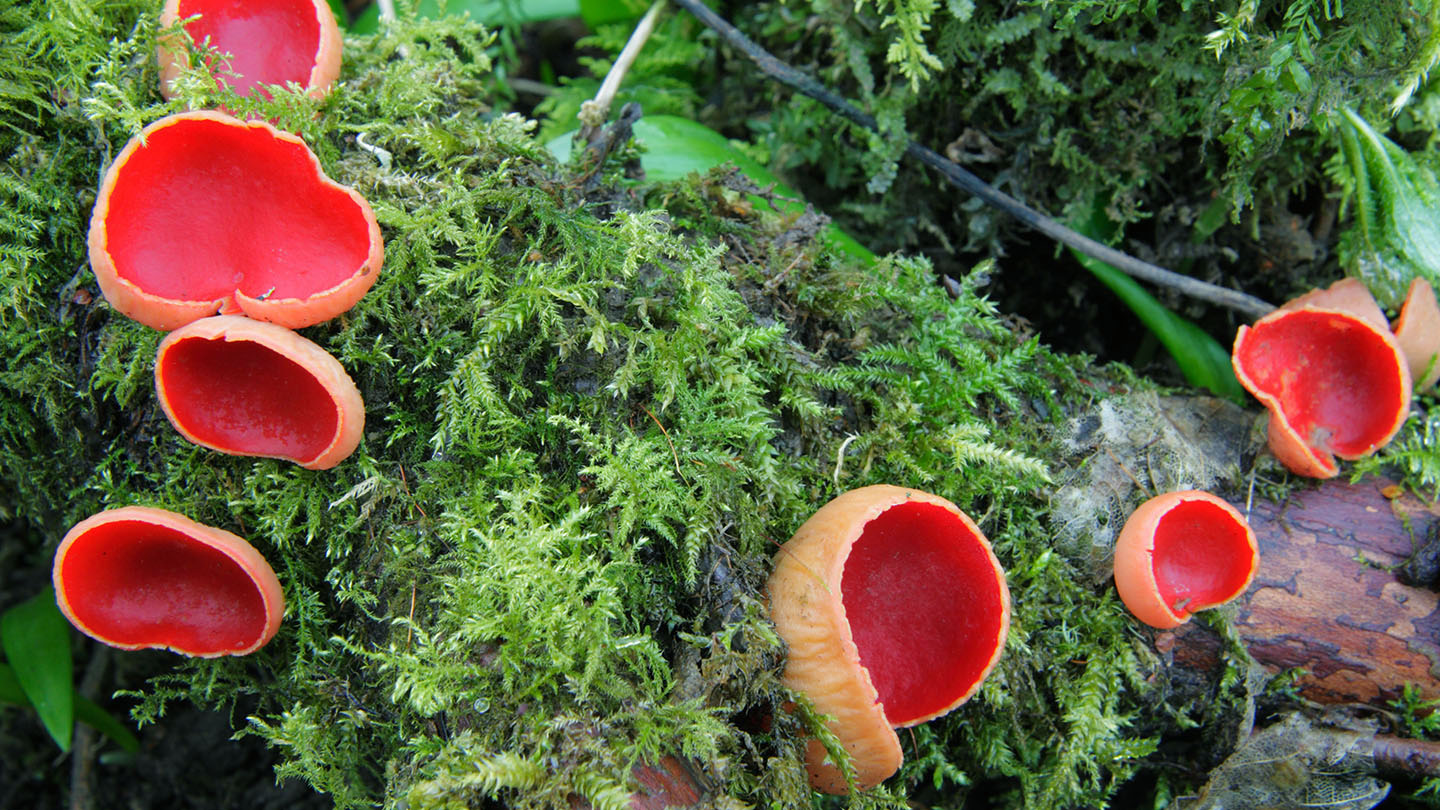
pixel 1327 598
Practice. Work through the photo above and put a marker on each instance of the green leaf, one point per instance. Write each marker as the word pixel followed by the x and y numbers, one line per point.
pixel 86 711
pixel 91 714
pixel 1201 358
pixel 489 12
pixel 36 640
pixel 599 12
pixel 1395 235
pixel 676 147
pixel 337 7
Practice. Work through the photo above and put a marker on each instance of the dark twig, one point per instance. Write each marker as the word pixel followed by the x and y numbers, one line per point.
pixel 778 70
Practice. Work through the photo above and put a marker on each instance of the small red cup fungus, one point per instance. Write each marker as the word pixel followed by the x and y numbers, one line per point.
pixel 1336 382
pixel 269 42
pixel 1183 552
pixel 895 609
pixel 140 577
pixel 1418 332
pixel 250 388
pixel 203 214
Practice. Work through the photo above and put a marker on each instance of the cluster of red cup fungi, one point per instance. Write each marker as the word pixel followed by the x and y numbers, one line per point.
pixel 895 608
pixel 891 600
pixel 229 233
pixel 1337 378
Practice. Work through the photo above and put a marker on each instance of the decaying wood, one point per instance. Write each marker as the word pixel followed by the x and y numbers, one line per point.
pixel 1327 599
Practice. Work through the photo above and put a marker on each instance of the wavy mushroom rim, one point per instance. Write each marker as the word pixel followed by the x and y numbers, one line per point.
pixel 168 312
pixel 1311 432
pixel 189 355
pixel 1159 599
pixel 1417 330
pixel 825 662
pixel 225 545
pixel 173 57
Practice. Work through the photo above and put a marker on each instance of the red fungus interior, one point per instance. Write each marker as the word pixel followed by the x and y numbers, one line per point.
pixel 924 606
pixel 269 41
pixel 242 396
pixel 136 583
pixel 1202 556
pixel 1337 380
pixel 206 208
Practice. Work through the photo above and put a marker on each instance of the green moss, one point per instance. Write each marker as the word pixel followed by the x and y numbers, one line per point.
pixel 589 426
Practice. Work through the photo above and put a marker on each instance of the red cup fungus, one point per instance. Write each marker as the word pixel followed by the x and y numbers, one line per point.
pixel 1418 332
pixel 139 577
pixel 250 388
pixel 203 214
pixel 1183 552
pixel 1334 379
pixel 269 42
pixel 895 609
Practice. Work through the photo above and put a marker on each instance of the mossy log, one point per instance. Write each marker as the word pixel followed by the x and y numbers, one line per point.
pixel 1329 598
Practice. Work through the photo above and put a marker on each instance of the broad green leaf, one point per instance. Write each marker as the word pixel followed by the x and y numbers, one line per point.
pixel 676 147
pixel 599 12
pixel 86 710
pixel 10 691
pixel 1395 235
pixel 36 640
pixel 489 12
pixel 1201 358
pixel 337 7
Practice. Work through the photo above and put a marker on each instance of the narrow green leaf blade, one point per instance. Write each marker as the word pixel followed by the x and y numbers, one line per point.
pixel 86 710
pixel 36 641
pixel 91 714
pixel 1201 358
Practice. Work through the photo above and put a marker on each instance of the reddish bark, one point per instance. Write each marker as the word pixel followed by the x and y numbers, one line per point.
pixel 1326 598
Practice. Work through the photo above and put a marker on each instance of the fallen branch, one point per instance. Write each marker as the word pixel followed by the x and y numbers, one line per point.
pixel 1145 271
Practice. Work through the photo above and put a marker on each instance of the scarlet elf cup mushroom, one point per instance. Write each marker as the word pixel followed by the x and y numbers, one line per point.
pixel 1182 552
pixel 1332 375
pixel 269 42
pixel 894 609
pixel 203 213
pixel 250 388
pixel 1417 330
pixel 140 577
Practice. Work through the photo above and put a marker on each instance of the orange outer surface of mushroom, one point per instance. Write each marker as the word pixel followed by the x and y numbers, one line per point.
pixel 203 214
pixel 1335 383
pixel 269 42
pixel 1183 552
pixel 250 388
pixel 895 609
pixel 140 577
pixel 1347 295
pixel 1418 332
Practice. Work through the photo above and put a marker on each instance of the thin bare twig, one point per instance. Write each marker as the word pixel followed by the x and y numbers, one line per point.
pixel 594 112
pixel 780 71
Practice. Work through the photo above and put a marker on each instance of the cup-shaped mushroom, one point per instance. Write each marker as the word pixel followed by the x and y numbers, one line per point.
pixel 1183 552
pixel 1335 383
pixel 1346 295
pixel 250 388
pixel 140 577
pixel 894 609
pixel 203 214
pixel 268 41
pixel 1418 332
